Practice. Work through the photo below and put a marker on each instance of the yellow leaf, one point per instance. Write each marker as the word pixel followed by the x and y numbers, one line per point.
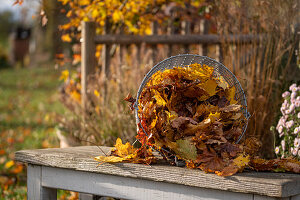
pixel 9 164
pixel 64 75
pixel 97 108
pixel 66 38
pixel 124 150
pixel 148 31
pixel 95 13
pixel 214 116
pixel 47 117
pixel 209 86
pixel 241 161
pixel 83 2
pixel 171 115
pixel 159 100
pixel 201 72
pixel 76 95
pixel 116 16
pixel 222 82
pixel 230 93
pixel 109 159
pixel 64 2
pixel 153 123
pixel 96 93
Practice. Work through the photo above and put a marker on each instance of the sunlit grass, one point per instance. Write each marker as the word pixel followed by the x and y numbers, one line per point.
pixel 28 106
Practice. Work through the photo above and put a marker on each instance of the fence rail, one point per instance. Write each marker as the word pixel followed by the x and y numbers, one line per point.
pixel 186 38
pixel 175 39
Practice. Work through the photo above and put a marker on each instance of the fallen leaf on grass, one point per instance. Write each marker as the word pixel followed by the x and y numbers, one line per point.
pixel 2 152
pixel 9 164
pixel 18 169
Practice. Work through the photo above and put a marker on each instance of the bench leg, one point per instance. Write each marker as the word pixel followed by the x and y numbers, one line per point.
pixel 83 196
pixel 35 190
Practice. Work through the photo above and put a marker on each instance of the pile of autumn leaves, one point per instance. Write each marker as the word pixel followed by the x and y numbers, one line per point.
pixel 191 113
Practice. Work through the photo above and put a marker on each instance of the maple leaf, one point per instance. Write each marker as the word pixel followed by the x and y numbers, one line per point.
pixel 181 122
pixel 209 86
pixel 230 93
pixel 209 161
pixel 121 152
pixel 228 170
pixel 237 164
pixel 109 159
pixel 185 149
pixel 127 153
pixel 241 161
pixel 222 82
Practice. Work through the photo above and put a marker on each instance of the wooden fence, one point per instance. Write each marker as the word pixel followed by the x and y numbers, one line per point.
pixel 186 38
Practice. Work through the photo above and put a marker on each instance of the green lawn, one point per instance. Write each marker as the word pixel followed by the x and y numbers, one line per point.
pixel 28 107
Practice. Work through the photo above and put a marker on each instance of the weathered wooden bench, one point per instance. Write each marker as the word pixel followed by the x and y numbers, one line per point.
pixel 74 169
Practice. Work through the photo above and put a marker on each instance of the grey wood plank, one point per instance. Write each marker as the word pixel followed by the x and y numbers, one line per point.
pixel 81 159
pixel 35 190
pixel 130 188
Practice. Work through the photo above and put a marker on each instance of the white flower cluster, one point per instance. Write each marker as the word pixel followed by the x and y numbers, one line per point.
pixel 288 125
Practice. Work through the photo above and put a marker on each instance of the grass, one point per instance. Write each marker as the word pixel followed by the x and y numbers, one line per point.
pixel 28 108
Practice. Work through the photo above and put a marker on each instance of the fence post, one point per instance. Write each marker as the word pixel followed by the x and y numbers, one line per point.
pixel 106 52
pixel 154 47
pixel 88 59
pixel 171 30
pixel 203 30
pixel 186 25
pixel 139 60
pixel 219 52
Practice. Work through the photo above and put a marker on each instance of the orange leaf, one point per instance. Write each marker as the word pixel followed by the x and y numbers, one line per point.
pixel 18 169
pixel 2 151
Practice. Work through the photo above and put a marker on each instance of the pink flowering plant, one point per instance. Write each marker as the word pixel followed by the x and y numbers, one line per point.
pixel 288 126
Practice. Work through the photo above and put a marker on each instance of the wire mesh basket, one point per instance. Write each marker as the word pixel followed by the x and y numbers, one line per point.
pixel 185 60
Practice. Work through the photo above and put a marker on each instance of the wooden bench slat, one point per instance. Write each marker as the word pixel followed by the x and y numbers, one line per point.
pixel 81 159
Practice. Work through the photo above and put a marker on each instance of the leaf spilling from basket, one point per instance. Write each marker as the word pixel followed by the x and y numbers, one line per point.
pixel 127 153
pixel 191 113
